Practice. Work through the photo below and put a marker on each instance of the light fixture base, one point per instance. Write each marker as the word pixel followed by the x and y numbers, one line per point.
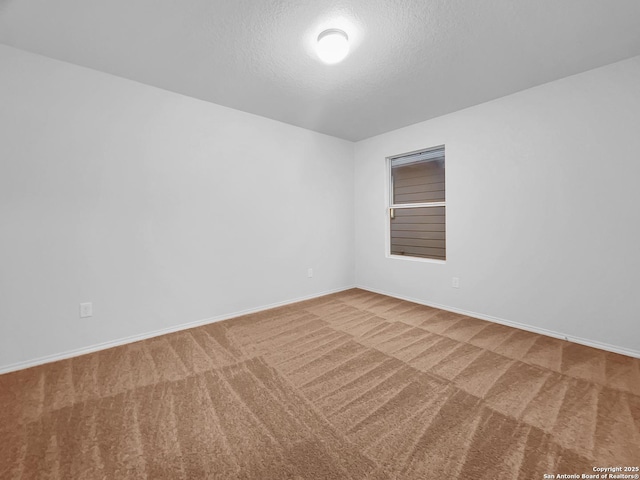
pixel 333 31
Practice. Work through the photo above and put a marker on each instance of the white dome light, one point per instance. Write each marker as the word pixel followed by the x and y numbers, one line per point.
pixel 333 45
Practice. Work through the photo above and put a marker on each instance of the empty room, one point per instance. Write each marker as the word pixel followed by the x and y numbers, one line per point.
pixel 329 239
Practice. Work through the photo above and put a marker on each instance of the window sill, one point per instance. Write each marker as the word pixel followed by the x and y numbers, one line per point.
pixel 416 259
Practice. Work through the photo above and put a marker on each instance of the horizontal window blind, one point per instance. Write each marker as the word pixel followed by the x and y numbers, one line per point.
pixel 426 156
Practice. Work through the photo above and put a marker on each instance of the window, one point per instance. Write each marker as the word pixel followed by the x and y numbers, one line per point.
pixel 417 204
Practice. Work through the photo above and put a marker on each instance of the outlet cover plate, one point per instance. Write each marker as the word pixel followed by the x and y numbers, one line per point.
pixel 86 310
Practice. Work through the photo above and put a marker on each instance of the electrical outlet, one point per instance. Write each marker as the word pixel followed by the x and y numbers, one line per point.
pixel 309 272
pixel 86 310
pixel 455 282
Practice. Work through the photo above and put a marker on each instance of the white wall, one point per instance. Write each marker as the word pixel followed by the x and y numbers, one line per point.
pixel 158 208
pixel 163 210
pixel 543 208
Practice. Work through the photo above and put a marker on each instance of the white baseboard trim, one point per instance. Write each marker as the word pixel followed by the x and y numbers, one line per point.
pixel 542 331
pixel 156 333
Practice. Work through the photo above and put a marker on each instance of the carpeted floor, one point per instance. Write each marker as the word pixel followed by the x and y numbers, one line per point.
pixel 351 385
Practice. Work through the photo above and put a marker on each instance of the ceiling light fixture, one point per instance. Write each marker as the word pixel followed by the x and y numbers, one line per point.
pixel 333 45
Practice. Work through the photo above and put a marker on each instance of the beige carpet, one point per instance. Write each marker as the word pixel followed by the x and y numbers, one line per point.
pixel 351 385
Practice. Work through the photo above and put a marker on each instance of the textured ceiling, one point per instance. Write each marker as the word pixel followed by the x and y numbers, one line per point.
pixel 410 60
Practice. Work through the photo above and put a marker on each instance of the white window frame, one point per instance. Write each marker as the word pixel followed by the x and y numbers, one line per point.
pixel 391 206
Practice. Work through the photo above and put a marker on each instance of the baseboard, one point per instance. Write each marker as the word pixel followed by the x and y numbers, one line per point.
pixel 156 333
pixel 542 331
